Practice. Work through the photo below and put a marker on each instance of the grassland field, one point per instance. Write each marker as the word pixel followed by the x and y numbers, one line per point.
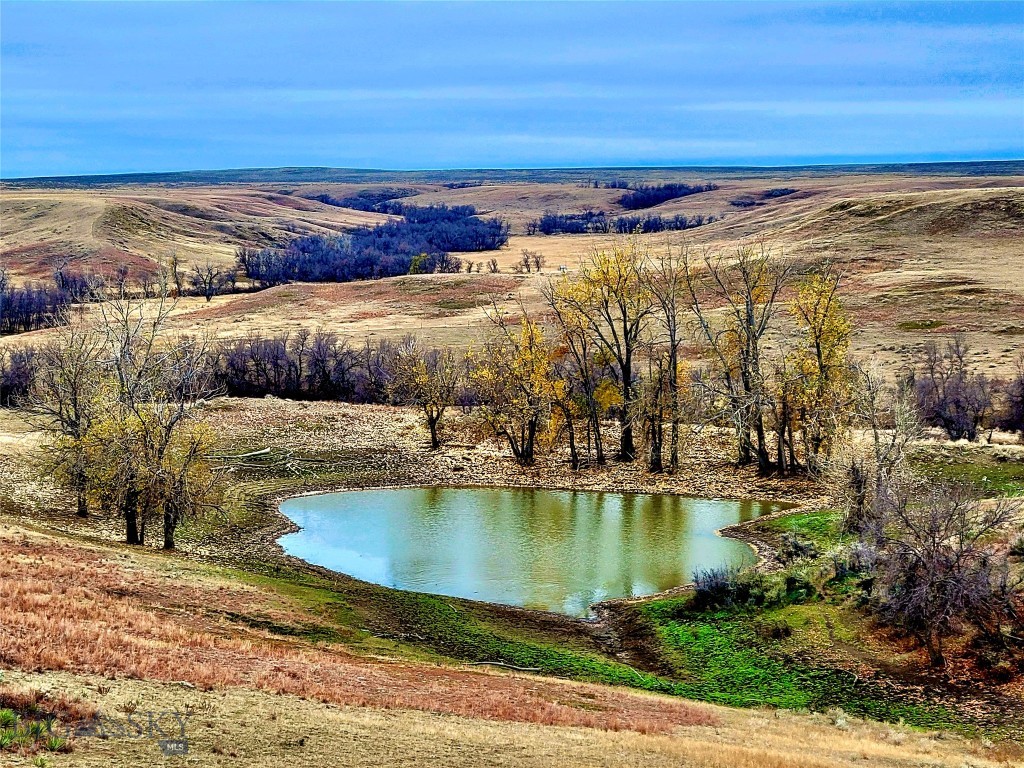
pixel 274 658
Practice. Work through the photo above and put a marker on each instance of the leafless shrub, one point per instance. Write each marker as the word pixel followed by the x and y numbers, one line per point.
pixel 941 567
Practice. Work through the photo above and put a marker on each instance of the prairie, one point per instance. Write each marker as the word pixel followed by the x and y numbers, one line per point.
pixel 277 660
pixel 925 255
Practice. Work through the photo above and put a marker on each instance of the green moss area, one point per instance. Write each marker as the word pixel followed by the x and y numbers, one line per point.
pixel 732 658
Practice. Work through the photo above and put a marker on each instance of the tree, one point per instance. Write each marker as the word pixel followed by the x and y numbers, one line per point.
pixel 578 366
pixel 1012 415
pixel 941 566
pixel 207 280
pixel 428 378
pixel 861 471
pixel 667 284
pixel 610 295
pixel 157 381
pixel 514 381
pixel 949 394
pixel 746 289
pixel 66 393
pixel 822 370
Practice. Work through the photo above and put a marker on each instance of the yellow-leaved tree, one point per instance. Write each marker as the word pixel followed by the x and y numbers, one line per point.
pixel 822 373
pixel 514 380
pixel 610 298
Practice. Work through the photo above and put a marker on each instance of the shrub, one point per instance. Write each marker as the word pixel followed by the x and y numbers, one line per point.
pixel 773 629
pixel 713 587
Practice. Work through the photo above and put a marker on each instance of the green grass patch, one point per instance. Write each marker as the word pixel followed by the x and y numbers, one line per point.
pixel 994 478
pixel 729 658
pixel 820 526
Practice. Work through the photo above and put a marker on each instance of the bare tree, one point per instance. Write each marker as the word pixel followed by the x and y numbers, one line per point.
pixel 746 289
pixel 667 284
pixel 941 566
pixel 65 397
pixel 207 280
pixel 949 394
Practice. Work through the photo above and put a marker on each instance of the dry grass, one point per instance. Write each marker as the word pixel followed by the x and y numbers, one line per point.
pixel 87 610
pixel 925 256
pixel 237 726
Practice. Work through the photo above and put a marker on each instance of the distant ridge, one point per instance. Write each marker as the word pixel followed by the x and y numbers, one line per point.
pixel 312 175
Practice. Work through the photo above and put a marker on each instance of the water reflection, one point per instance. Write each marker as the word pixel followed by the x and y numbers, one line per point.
pixel 554 550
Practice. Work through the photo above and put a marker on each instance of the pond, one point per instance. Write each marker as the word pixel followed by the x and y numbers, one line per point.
pixel 551 550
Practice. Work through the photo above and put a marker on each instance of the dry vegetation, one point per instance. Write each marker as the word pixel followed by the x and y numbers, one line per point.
pixel 122 631
pixel 924 255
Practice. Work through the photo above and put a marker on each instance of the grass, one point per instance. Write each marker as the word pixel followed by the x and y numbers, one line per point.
pixel 724 658
pixel 993 477
pixel 820 526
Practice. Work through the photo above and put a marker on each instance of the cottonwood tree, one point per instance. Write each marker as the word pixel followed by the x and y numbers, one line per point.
pixel 429 379
pixel 157 381
pixel 610 294
pixel 207 280
pixel 66 393
pixel 733 303
pixel 667 285
pixel 821 372
pixel 578 366
pixel 514 382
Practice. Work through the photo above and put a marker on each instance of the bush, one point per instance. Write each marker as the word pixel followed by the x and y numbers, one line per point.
pixel 625 225
pixel 773 629
pixel 794 548
pixel 569 223
pixel 714 587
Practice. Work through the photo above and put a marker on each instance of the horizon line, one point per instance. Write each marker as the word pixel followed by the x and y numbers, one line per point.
pixel 483 169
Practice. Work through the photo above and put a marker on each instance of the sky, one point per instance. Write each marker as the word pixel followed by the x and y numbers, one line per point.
pixel 96 87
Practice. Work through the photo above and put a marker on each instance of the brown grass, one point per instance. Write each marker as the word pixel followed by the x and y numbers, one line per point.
pixel 75 609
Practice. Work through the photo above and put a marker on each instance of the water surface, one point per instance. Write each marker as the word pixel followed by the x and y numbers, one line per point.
pixel 553 550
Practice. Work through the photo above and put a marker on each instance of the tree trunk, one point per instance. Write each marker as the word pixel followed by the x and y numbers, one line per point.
pixel 764 462
pixel 170 523
pixel 627 448
pixel 131 518
pixel 432 424
pixel 574 458
pixel 598 441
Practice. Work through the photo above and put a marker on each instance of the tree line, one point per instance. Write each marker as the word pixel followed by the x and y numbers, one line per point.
pixel 650 195
pixel 591 222
pixel 423 241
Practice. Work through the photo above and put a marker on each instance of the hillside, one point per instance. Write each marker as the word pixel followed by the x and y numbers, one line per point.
pixel 925 253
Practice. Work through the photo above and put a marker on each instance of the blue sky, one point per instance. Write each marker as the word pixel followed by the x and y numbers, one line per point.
pixel 99 87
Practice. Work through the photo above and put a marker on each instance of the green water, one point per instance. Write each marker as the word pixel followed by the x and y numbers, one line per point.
pixel 553 550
